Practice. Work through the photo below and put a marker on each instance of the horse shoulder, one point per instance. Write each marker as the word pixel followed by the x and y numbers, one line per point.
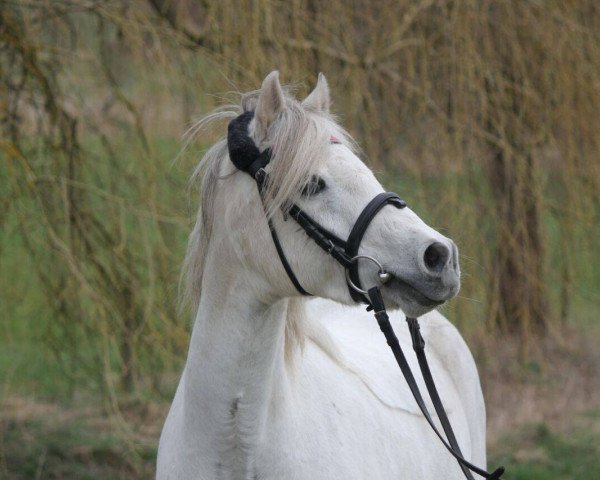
pixel 351 339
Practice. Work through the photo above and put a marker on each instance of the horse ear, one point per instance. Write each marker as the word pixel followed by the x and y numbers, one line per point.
pixel 319 99
pixel 270 102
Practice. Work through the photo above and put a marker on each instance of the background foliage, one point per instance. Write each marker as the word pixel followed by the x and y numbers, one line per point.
pixel 482 114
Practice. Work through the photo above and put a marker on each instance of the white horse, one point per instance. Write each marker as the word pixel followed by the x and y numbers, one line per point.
pixel 280 387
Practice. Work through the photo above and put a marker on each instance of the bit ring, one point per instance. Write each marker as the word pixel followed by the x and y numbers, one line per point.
pixel 383 275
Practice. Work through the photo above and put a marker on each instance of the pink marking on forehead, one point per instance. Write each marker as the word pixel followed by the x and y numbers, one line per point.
pixel 333 139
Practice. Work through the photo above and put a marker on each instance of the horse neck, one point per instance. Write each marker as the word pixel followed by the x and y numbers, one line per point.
pixel 236 358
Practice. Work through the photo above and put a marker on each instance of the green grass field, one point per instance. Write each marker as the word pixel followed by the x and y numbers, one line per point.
pixel 539 453
pixel 50 442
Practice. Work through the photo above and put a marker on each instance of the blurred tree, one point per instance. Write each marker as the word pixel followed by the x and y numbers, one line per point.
pixel 72 215
pixel 489 109
pixel 513 123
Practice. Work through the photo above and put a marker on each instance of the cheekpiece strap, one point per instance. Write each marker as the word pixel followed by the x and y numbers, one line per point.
pixel 358 231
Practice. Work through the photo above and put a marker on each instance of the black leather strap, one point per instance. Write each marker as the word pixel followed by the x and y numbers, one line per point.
pixel 284 262
pixel 328 241
pixel 261 178
pixel 260 163
pixel 385 326
pixel 419 348
pixel 358 231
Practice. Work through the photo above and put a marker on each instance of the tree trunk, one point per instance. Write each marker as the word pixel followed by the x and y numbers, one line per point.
pixel 519 252
pixel 512 125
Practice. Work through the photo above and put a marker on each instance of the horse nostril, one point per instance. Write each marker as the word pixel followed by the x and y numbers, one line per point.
pixel 436 256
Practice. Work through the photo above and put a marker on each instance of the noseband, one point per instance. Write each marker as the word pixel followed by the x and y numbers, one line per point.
pixel 246 156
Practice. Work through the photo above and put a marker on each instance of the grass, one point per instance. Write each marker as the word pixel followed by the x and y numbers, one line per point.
pixel 46 441
pixel 66 451
pixel 537 452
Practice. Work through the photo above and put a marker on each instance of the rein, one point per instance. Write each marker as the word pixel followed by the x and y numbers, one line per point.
pixel 246 156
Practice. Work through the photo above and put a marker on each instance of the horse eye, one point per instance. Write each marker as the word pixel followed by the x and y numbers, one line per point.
pixel 315 185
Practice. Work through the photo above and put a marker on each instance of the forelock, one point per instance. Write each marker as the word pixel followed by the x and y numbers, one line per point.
pixel 299 140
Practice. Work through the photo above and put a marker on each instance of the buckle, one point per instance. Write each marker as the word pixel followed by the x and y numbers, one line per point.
pixel 260 174
pixel 331 246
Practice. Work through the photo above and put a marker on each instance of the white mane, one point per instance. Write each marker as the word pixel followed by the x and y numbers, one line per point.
pixel 298 138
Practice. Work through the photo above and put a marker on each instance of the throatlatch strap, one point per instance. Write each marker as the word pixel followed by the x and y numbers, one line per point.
pixel 261 177
pixel 384 324
pixel 284 262
pixel 358 231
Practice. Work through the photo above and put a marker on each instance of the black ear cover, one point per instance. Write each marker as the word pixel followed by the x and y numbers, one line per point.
pixel 242 150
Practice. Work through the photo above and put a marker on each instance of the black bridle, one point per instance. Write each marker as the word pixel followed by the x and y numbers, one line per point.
pixel 246 156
